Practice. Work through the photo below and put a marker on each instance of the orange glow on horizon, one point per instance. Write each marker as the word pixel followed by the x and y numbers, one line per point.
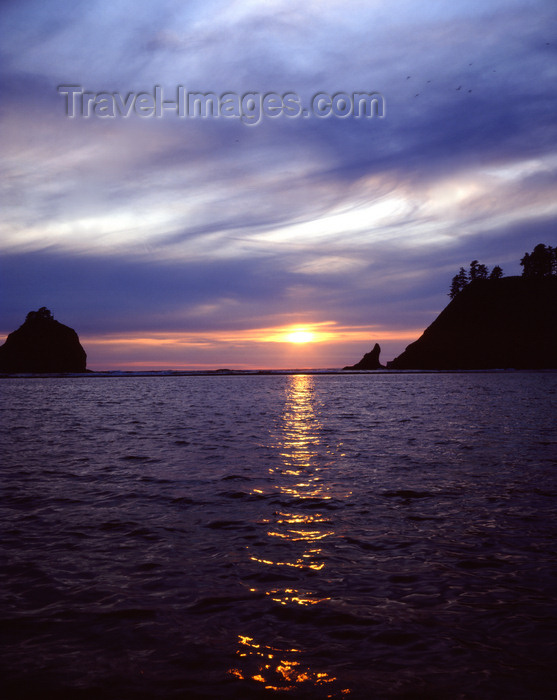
pixel 327 331
pixel 294 346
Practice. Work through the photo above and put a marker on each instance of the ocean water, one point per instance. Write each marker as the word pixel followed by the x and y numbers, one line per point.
pixel 336 536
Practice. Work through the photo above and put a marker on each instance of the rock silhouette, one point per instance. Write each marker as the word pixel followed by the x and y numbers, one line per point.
pixel 491 324
pixel 369 361
pixel 42 344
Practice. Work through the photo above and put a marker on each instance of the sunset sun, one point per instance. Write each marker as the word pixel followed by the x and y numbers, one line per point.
pixel 300 336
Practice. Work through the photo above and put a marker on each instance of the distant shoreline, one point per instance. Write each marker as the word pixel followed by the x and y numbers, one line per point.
pixel 119 374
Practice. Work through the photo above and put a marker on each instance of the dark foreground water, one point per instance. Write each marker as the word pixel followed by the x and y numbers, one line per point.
pixel 360 536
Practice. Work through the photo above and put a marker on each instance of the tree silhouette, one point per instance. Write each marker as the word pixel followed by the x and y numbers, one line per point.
pixel 541 262
pixel 458 282
pixel 42 313
pixel 478 271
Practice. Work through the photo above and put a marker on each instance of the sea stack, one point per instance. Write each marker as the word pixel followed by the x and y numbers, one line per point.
pixel 369 361
pixel 42 344
pixel 491 324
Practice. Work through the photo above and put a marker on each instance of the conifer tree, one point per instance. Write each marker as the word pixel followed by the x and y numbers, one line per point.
pixel 458 283
pixel 478 271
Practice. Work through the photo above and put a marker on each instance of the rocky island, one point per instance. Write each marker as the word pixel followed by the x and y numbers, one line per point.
pixel 42 344
pixel 369 361
pixel 503 323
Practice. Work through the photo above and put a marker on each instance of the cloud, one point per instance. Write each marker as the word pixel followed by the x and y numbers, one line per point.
pixel 168 225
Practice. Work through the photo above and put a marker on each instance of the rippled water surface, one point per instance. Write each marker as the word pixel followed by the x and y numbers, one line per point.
pixel 361 536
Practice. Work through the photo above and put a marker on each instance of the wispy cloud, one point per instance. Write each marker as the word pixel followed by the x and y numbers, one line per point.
pixel 176 226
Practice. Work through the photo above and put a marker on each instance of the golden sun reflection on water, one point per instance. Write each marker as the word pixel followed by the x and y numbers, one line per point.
pixel 298 563
pixel 298 443
pixel 298 480
pixel 276 668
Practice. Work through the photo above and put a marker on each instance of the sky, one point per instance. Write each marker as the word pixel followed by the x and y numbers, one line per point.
pixel 175 242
